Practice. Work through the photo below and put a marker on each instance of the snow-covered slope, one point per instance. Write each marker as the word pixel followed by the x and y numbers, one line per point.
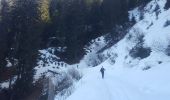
pixel 137 67
pixel 124 84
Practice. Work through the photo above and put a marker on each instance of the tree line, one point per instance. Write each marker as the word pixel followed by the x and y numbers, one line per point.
pixel 76 22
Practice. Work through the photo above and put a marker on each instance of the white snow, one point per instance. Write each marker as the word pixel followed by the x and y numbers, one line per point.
pixel 126 77
pixel 9 64
pixel 91 57
pixel 6 83
pixel 124 84
pixel 48 61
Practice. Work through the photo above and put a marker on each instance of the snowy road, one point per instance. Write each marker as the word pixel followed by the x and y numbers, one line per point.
pixel 115 87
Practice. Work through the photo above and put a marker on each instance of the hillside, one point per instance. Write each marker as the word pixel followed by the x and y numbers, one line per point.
pixel 137 67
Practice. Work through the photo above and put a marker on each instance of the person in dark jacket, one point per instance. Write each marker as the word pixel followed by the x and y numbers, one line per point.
pixel 102 71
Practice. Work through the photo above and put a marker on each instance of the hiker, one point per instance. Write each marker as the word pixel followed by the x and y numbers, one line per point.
pixel 102 71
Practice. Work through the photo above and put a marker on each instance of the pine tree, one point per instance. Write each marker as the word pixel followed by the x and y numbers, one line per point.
pixel 25 31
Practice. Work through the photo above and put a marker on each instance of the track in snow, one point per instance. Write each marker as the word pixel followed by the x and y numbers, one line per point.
pixel 93 87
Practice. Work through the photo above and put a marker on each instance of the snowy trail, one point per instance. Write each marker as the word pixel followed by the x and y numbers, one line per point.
pixel 121 90
pixel 93 87
pixel 113 87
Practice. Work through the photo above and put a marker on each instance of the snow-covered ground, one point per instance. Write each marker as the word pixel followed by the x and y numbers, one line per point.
pixel 124 84
pixel 133 78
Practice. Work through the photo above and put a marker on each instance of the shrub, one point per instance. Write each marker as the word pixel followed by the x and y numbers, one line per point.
pixel 167 23
pixel 113 58
pixel 74 73
pixel 65 83
pixel 147 68
pixel 167 51
pixel 140 51
pixel 159 62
